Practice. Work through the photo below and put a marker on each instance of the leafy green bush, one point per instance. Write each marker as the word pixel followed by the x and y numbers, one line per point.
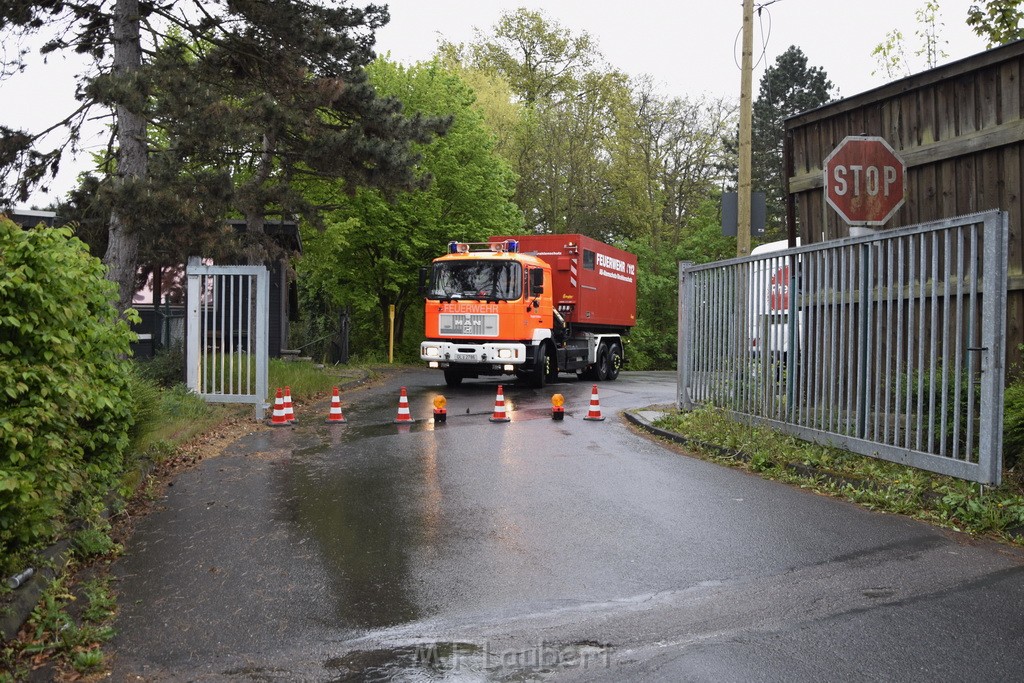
pixel 145 395
pixel 166 367
pixel 67 407
pixel 1013 423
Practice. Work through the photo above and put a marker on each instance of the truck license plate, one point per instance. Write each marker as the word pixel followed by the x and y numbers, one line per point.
pixel 465 356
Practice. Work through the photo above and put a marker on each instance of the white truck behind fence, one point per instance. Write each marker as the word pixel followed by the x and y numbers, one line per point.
pixel 890 345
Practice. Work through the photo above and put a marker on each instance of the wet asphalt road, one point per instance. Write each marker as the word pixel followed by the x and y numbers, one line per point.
pixel 539 550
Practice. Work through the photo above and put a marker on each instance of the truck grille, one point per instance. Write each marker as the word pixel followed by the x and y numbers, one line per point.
pixel 468 324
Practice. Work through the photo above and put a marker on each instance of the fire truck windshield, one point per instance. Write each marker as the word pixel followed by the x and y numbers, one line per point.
pixel 488 280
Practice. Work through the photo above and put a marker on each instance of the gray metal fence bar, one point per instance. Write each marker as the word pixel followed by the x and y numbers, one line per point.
pixel 888 345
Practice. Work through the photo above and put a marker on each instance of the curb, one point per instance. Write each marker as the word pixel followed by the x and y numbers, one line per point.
pixel 794 467
pixel 675 437
pixel 24 599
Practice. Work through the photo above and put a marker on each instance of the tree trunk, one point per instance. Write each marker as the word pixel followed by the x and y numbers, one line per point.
pixel 122 254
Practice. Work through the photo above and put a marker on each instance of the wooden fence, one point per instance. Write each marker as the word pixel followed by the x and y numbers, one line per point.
pixel 960 130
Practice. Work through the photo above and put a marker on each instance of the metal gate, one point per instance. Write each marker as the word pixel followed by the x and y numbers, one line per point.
pixel 228 308
pixel 890 345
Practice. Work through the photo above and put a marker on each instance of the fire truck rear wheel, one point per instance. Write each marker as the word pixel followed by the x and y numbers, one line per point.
pixel 614 361
pixel 452 378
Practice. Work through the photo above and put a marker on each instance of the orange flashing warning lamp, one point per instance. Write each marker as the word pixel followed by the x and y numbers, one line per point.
pixel 557 407
pixel 440 411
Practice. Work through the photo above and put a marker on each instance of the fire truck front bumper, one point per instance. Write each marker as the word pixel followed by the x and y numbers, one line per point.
pixel 440 354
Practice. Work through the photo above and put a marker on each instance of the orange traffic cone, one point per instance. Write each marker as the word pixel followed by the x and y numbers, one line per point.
pixel 403 409
pixel 289 412
pixel 335 415
pixel 595 406
pixel 279 418
pixel 499 408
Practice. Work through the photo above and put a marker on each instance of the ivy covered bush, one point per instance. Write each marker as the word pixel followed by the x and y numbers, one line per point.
pixel 1013 424
pixel 66 407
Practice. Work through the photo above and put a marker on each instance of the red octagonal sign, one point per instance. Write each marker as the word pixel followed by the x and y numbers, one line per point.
pixel 865 182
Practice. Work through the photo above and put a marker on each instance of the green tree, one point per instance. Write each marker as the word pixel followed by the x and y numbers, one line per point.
pixel 788 87
pixel 372 246
pixel 503 113
pixel 111 35
pixel 652 343
pixel 997 21
pixel 669 157
pixel 539 59
pixel 559 151
pixel 264 91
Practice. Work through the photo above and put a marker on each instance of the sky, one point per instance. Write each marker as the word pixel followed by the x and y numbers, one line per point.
pixel 688 47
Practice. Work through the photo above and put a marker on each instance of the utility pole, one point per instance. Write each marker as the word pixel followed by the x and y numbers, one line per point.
pixel 746 123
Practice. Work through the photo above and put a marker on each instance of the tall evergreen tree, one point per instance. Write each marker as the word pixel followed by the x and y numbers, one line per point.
pixel 787 88
pixel 257 90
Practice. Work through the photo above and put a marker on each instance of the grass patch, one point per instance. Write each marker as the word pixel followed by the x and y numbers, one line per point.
pixel 308 380
pixel 875 484
pixel 179 416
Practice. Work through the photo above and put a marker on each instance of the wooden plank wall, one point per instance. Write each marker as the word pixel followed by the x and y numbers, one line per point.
pixel 960 129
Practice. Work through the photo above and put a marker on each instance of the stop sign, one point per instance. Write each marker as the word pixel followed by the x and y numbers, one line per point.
pixel 864 180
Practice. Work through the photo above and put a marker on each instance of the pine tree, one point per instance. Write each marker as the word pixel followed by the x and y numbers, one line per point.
pixel 787 88
pixel 244 96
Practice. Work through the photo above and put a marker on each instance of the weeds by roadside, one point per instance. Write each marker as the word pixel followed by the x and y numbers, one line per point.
pixel 65 634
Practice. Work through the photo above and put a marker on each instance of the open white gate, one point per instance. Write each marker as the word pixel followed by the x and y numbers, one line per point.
pixel 227 343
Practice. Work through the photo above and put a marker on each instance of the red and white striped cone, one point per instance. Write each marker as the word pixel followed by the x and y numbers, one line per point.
pixel 595 406
pixel 335 416
pixel 499 408
pixel 403 409
pixel 289 412
pixel 279 419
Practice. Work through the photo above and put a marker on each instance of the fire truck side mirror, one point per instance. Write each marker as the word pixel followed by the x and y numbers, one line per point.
pixel 536 282
pixel 423 280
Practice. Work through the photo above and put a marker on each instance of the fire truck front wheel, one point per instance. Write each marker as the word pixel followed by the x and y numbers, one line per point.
pixel 543 367
pixel 452 378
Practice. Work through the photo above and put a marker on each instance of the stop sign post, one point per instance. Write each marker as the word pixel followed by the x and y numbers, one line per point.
pixel 865 181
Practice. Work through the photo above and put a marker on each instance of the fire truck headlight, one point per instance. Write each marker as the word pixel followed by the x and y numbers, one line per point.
pixel 432 351
pixel 505 353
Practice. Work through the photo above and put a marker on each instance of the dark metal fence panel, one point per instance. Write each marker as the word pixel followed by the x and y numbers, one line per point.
pixel 227 349
pixel 889 345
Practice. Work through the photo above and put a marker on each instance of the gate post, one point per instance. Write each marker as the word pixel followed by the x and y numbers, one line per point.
pixel 262 343
pixel 684 335
pixel 192 349
pixel 993 350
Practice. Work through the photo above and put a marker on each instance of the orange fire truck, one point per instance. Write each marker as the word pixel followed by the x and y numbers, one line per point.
pixel 529 305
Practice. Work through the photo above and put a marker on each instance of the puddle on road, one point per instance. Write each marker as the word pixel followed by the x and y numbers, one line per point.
pixel 371 498
pixel 463 661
